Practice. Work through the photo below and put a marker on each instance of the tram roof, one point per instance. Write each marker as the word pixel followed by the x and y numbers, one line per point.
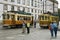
pixel 20 12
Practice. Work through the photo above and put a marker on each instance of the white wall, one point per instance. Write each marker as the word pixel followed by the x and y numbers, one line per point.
pixel 1 0
pixel 15 8
pixel 49 6
pixel 59 25
pixel 9 7
pixel 56 7
pixel 1 12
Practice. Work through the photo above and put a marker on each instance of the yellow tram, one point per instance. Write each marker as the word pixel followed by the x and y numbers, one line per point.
pixel 46 19
pixel 15 19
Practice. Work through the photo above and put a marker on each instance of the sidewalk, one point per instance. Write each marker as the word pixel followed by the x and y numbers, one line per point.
pixel 35 34
pixel 40 35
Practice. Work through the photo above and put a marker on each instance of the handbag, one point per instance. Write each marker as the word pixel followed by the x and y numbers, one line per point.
pixel 50 28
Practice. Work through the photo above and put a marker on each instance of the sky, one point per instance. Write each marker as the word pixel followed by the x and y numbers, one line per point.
pixel 59 3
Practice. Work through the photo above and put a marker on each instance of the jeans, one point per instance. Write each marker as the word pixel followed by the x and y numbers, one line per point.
pixel 53 31
pixel 28 30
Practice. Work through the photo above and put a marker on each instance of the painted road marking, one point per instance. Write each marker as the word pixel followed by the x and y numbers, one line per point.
pixel 15 36
pixel 21 35
pixel 10 37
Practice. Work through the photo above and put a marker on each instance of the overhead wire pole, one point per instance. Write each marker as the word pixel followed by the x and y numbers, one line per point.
pixel 43 6
pixel 53 6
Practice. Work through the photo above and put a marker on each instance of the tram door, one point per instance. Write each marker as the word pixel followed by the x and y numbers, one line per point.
pixel 13 19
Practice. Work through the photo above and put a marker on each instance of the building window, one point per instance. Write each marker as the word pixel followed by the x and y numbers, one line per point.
pixel 38 11
pixel 18 8
pixel 5 0
pixel 8 16
pixel 32 10
pixel 12 0
pixel 35 11
pixel 35 4
pixel 32 2
pixel 28 2
pixel 12 8
pixel 5 7
pixel 41 0
pixel 18 1
pixel 23 9
pixel 41 11
pixel 28 10
pixel 23 2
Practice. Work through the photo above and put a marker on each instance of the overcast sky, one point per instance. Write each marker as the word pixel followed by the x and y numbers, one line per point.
pixel 59 3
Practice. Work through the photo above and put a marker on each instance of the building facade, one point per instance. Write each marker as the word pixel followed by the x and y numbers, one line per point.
pixel 49 6
pixel 35 7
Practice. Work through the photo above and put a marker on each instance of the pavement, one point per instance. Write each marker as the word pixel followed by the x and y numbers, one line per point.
pixel 35 34
pixel 41 35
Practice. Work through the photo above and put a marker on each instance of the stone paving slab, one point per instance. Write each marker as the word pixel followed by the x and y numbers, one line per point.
pixel 40 35
pixel 35 34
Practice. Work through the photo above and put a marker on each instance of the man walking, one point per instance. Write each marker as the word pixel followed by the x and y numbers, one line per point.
pixel 23 27
pixel 53 28
pixel 28 29
pixel 34 24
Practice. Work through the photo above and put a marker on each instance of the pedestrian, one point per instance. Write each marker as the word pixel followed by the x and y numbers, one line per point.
pixel 28 27
pixel 53 29
pixel 34 24
pixel 23 27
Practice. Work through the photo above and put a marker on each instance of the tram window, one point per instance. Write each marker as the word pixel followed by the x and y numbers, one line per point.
pixel 48 18
pixel 55 18
pixel 25 18
pixel 39 17
pixel 20 18
pixel 45 17
pixel 8 16
pixel 42 17
pixel 17 17
pixel 28 18
pixel 4 16
pixel 12 17
pixel 52 19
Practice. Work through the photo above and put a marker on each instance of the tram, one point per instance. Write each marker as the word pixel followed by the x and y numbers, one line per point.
pixel 46 19
pixel 12 19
